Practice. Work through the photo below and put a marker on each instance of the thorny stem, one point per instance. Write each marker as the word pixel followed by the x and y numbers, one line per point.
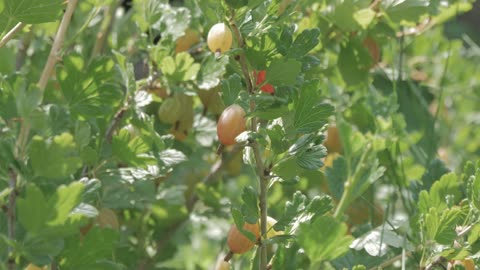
pixel 57 45
pixel 25 126
pixel 256 150
pixel 11 33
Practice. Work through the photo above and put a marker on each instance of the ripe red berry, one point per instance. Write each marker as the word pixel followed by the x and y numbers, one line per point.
pixel 260 77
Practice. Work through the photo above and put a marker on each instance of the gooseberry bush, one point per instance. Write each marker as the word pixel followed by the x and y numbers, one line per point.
pixel 238 134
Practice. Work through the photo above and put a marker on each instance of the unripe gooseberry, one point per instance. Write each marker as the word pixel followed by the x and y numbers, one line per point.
pixel 230 124
pixel 239 243
pixel 186 41
pixel 170 110
pixel 219 39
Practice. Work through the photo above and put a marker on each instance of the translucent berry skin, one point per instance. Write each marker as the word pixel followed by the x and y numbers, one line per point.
pixel 219 39
pixel 260 76
pixel 230 124
pixel 239 243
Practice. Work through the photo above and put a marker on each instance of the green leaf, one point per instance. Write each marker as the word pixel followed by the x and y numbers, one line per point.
pixel 231 88
pixel 337 175
pixel 343 16
pixel 476 190
pixel 27 100
pixel 440 225
pixel 209 196
pixel 87 88
pixel 171 157
pixel 131 151
pixel 250 205
pixel 82 134
pixel 173 22
pixel 289 257
pixel 284 43
pixel 364 17
pixel 292 210
pixel 148 12
pixel 56 157
pixel 180 69
pixel 409 11
pixel 239 221
pixel 324 239
pixel 310 114
pixel 435 170
pixel 52 217
pixel 29 12
pixel 447 187
pixel 304 43
pixel 129 188
pixel 33 210
pixel 41 250
pixel 283 72
pixel 311 158
pixel 211 72
pixel 318 206
pixel 301 143
pixel 2 5
pixel 236 3
pixel 97 245
pixel 353 63
pixel 287 169
pixel 365 175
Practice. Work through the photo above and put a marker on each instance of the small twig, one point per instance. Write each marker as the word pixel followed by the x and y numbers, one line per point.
pixel 256 150
pixel 391 261
pixel 11 214
pixel 241 57
pixel 57 45
pixel 11 33
pixel 105 28
pixel 115 122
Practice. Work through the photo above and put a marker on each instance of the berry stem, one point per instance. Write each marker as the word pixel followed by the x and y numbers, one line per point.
pixel 263 179
pixel 228 256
